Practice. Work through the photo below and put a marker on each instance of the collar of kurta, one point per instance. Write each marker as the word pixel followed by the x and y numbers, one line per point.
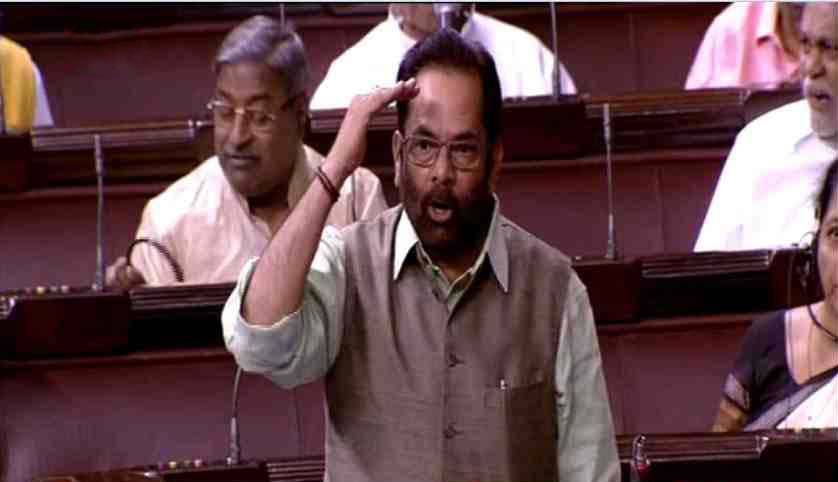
pixel 494 247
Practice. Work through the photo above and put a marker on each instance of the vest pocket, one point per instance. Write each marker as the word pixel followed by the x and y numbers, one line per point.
pixel 525 416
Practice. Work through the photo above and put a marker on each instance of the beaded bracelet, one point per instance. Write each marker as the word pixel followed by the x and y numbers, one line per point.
pixel 327 184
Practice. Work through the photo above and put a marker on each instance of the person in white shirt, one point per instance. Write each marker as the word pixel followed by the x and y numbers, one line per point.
pixel 524 64
pixel 764 197
pixel 206 225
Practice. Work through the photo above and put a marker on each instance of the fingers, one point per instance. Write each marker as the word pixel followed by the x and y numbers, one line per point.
pixel 123 276
pixel 402 91
pixel 380 97
pixel 349 147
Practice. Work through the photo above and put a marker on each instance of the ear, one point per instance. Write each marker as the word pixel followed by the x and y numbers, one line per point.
pixel 397 155
pixel 497 160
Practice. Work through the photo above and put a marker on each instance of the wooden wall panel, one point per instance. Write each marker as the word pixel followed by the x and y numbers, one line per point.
pixel 163 72
pixel 140 409
pixel 91 414
pixel 50 235
pixel 671 372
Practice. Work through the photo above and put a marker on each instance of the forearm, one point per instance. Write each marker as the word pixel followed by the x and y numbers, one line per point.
pixel 587 444
pixel 290 253
pixel 302 346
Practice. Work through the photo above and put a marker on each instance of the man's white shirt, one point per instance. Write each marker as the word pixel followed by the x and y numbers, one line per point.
pixel 765 197
pixel 524 64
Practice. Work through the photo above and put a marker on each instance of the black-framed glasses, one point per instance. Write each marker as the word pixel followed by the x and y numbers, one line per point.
pixel 423 151
pixel 257 119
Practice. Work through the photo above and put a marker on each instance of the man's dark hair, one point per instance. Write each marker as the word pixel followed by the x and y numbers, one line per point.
pixel 447 48
pixel 827 191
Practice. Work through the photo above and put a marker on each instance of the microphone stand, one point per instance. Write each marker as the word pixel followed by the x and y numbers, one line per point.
pixel 99 283
pixel 557 71
pixel 611 249
pixel 235 448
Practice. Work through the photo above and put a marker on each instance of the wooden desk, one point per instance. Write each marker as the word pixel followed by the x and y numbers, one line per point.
pixel 756 456
pixel 159 402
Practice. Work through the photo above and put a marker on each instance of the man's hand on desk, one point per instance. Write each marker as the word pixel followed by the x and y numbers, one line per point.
pixel 121 275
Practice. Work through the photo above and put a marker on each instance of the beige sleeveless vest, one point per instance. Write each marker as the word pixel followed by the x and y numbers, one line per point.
pixel 421 394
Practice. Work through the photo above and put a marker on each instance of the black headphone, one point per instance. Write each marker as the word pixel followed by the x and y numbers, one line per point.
pixel 808 269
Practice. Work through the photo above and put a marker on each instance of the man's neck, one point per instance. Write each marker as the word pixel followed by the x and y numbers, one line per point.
pixel 453 265
pixel 272 208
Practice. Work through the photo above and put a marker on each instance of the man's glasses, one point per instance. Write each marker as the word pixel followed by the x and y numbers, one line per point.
pixel 258 120
pixel 423 151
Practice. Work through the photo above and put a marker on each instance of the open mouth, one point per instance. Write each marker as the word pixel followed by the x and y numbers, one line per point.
pixel 440 211
pixel 818 97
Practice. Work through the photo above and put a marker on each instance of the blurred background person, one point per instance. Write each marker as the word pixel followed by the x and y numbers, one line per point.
pixel 770 177
pixel 524 64
pixel 749 44
pixel 22 92
pixel 212 220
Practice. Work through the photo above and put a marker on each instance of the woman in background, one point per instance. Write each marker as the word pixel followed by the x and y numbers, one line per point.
pixel 786 374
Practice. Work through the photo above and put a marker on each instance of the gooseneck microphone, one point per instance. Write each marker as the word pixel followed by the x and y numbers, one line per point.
pixel 611 249
pixel 235 448
pixel 446 13
pixel 99 283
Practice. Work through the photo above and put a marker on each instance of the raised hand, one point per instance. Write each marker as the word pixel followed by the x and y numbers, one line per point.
pixel 350 145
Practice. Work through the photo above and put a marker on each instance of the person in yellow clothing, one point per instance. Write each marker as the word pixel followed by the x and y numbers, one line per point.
pixel 21 90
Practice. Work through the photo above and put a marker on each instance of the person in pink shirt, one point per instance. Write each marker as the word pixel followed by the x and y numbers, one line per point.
pixel 749 44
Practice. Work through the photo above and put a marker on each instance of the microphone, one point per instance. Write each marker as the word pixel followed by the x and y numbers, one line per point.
pixel 557 70
pixel 235 448
pixel 99 283
pixel 611 249
pixel 639 463
pixel 446 14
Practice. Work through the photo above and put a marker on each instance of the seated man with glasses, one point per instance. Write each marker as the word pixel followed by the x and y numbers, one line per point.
pixel 454 344
pixel 205 226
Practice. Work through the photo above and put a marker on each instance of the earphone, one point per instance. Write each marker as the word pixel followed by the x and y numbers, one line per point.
pixel 808 269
